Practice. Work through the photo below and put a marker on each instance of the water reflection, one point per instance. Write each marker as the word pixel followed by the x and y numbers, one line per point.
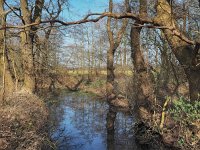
pixel 110 126
pixel 79 123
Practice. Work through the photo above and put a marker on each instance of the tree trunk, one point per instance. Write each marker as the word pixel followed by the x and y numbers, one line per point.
pixel 164 75
pixel 125 53
pixel 100 54
pixel 9 85
pixel 186 54
pixel 27 55
pixel 194 83
pixel 27 37
pixel 111 87
pixel 8 82
pixel 144 87
pixel 111 94
pixel 27 50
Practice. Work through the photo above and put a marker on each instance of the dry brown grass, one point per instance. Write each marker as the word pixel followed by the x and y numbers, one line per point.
pixel 22 117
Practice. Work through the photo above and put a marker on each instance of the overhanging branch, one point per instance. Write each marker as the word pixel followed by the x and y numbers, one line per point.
pixel 88 18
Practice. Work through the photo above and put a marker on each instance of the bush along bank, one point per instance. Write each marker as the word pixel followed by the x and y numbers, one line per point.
pixel 179 127
pixel 23 116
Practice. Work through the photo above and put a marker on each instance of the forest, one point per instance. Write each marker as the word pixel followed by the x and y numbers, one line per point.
pixel 72 71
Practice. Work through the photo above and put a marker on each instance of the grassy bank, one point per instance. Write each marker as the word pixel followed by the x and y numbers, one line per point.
pixel 23 116
pixel 95 84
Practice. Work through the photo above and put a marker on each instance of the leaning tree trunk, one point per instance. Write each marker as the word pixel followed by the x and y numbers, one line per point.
pixel 185 52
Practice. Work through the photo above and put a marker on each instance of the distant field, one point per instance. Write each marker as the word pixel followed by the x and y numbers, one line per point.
pixel 126 72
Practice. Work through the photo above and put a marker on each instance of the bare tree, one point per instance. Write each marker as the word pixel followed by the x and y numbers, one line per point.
pixel 114 43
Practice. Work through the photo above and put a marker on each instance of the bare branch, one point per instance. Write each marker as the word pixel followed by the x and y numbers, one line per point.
pixel 87 19
pixel 175 32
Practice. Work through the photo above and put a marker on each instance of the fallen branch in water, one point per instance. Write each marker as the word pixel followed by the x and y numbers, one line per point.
pixel 75 87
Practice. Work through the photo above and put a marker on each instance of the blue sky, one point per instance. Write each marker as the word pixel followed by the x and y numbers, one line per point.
pixel 92 5
pixel 79 8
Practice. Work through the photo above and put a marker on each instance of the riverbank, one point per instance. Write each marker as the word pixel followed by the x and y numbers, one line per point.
pixel 98 88
pixel 95 84
pixel 180 128
pixel 23 118
pixel 174 134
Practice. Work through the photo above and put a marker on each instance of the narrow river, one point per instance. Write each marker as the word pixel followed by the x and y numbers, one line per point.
pixel 78 122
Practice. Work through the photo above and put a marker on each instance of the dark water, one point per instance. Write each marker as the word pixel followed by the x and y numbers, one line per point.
pixel 78 122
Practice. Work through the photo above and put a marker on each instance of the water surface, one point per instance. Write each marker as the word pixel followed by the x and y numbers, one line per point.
pixel 78 122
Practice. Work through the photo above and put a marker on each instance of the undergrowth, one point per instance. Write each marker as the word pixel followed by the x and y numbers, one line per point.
pixel 187 117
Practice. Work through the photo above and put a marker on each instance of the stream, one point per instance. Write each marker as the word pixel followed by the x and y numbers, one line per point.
pixel 78 122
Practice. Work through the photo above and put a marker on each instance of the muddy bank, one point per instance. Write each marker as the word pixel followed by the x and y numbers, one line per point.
pixel 22 121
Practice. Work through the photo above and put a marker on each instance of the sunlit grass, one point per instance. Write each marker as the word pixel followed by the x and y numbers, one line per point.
pixel 85 72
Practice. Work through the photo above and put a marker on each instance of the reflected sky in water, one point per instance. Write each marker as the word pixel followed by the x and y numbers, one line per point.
pixel 79 123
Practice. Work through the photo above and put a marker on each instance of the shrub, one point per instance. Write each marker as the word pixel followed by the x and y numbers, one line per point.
pixel 185 112
pixel 187 116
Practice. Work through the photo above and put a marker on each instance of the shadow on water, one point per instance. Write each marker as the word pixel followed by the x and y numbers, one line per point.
pixel 78 122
